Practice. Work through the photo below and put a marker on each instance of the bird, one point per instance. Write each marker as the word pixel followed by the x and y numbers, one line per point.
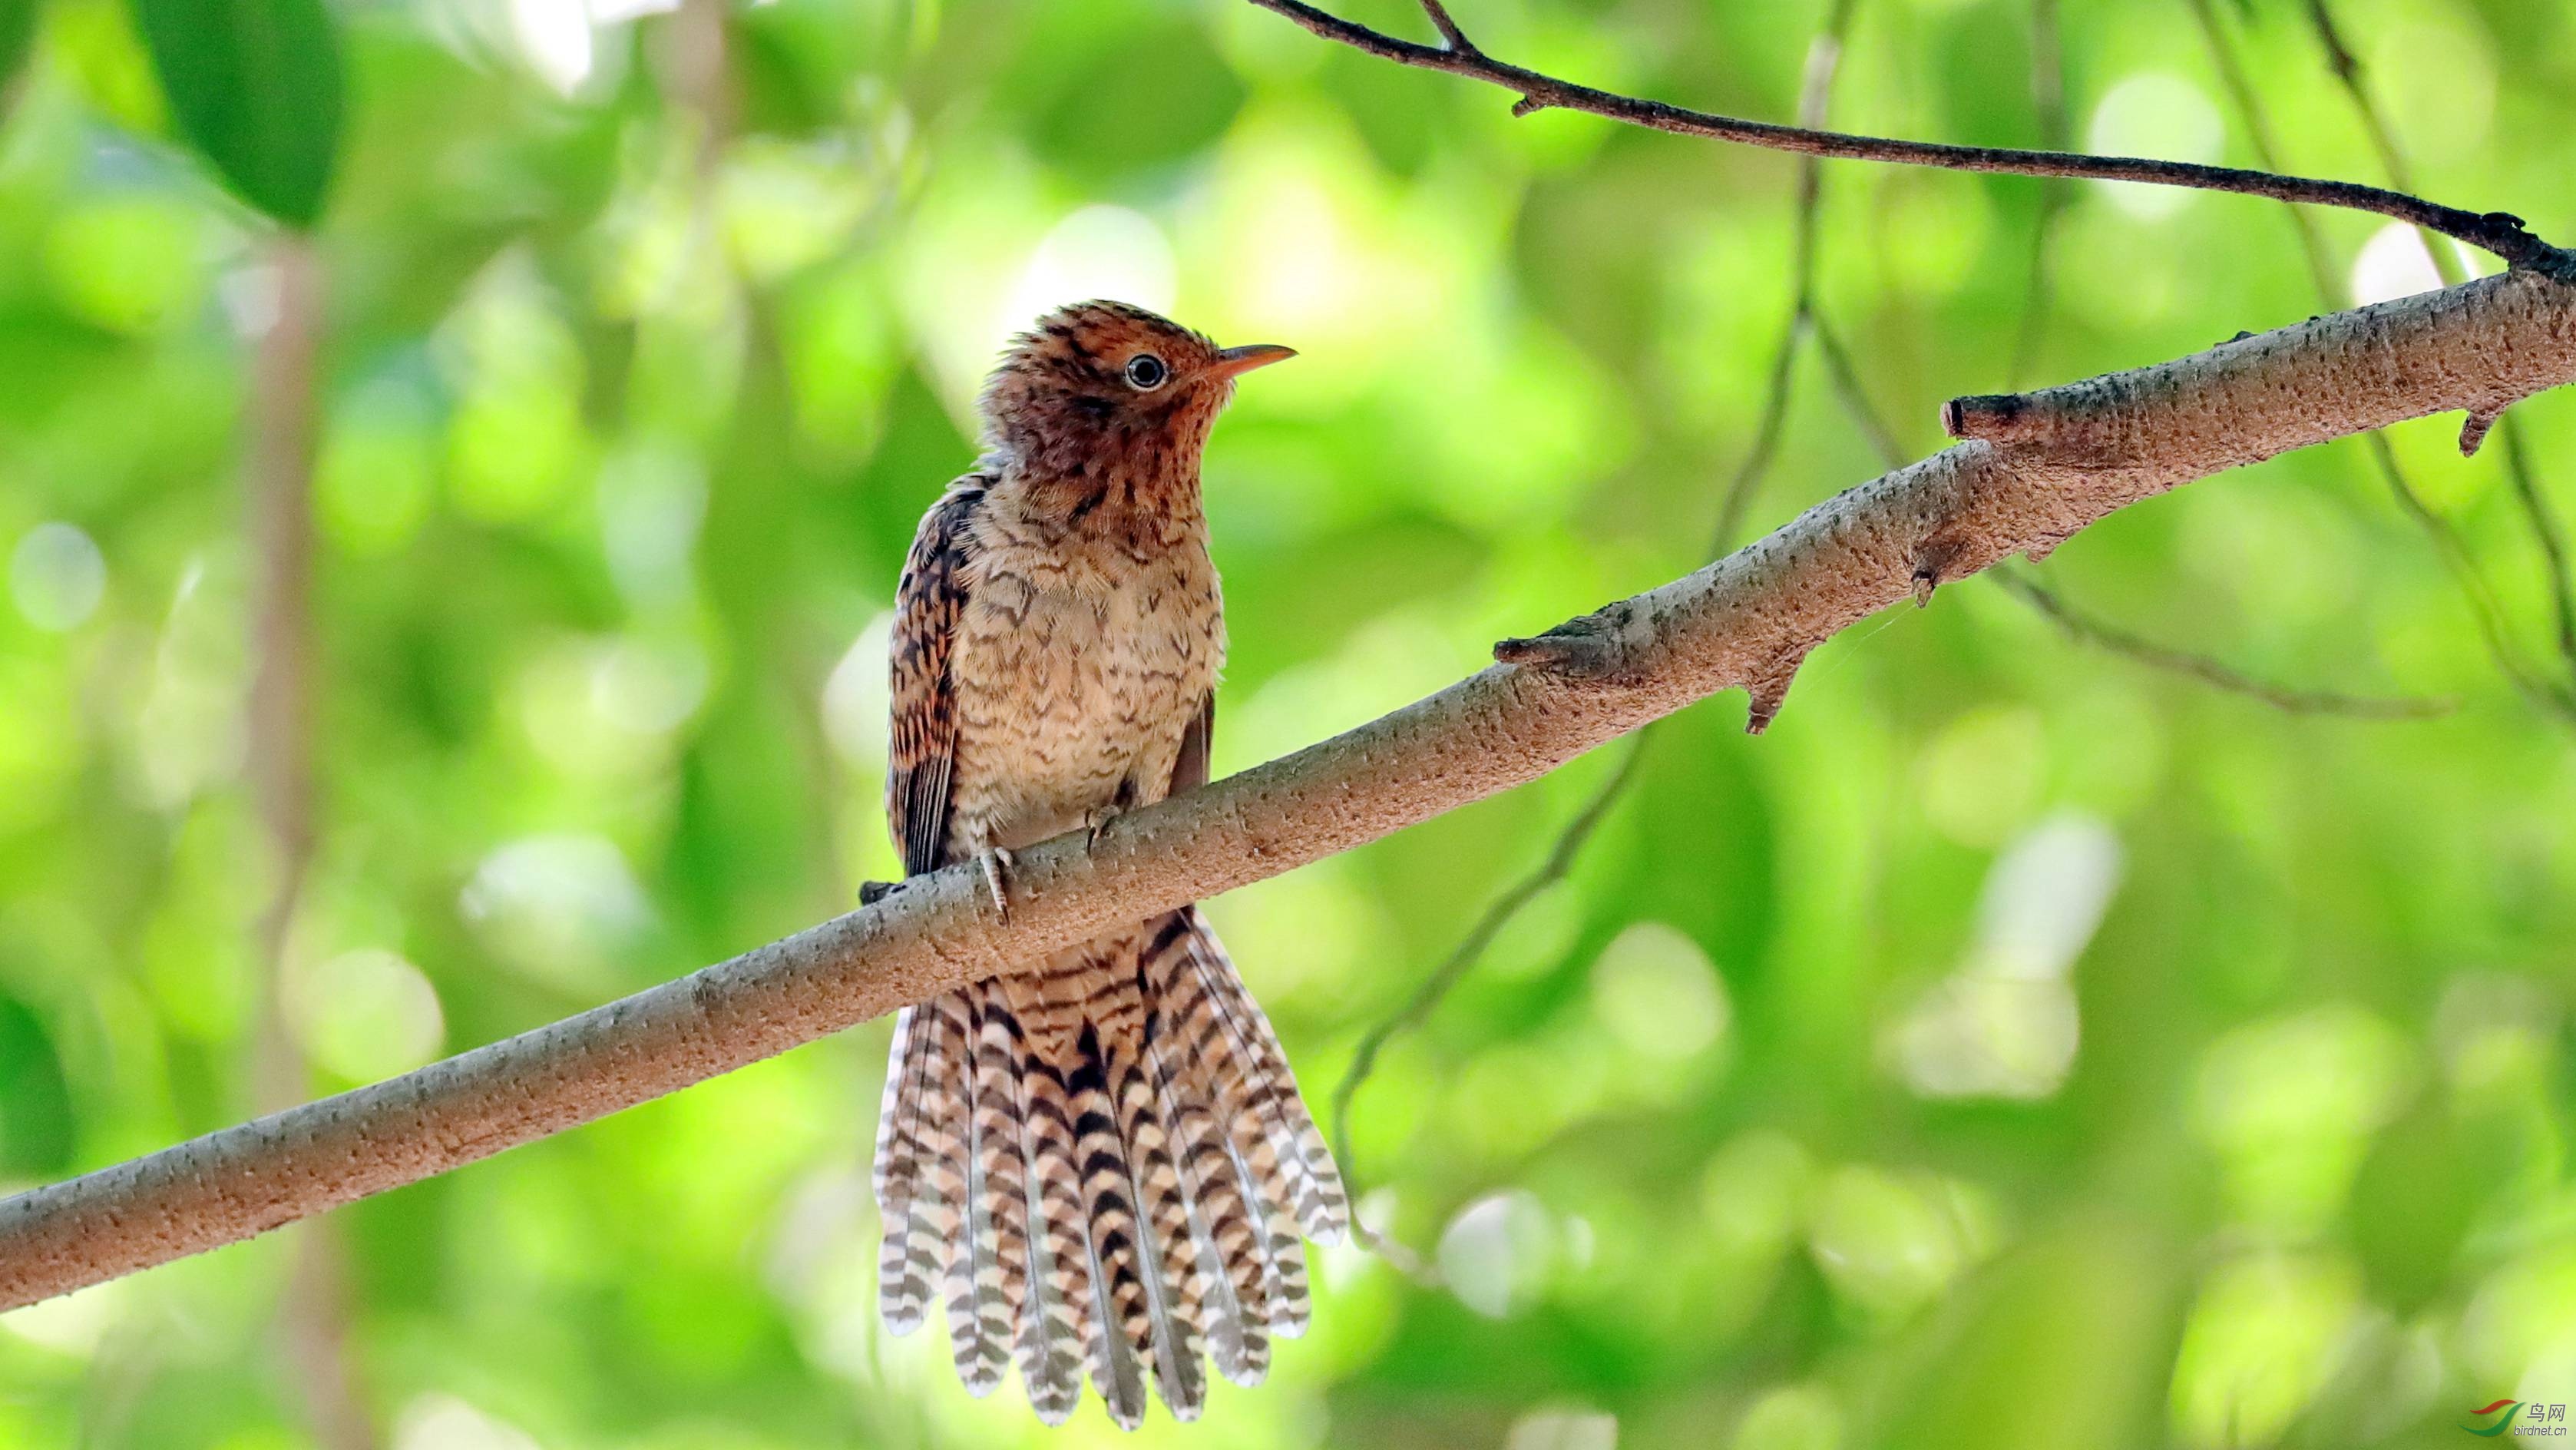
pixel 1099 1161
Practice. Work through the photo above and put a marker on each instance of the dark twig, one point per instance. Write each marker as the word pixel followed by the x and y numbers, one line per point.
pixel 2087 629
pixel 2048 102
pixel 2546 531
pixel 1815 95
pixel 1471 947
pixel 2497 232
pixel 1824 60
pixel 2488 612
pixel 2544 528
pixel 2258 134
pixel 2048 90
pixel 2347 69
pixel 1845 376
pixel 1766 434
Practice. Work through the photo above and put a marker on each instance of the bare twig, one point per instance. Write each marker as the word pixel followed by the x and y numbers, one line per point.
pixel 1845 376
pixel 1738 498
pixel 2258 133
pixel 2347 69
pixel 2088 629
pixel 2497 232
pixel 1498 914
pixel 1815 97
pixel 2549 697
pixel 2546 531
pixel 2048 102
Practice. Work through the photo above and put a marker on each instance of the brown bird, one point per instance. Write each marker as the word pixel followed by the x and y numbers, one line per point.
pixel 1101 1159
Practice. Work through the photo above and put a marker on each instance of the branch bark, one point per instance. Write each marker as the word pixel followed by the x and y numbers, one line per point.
pixel 2034 469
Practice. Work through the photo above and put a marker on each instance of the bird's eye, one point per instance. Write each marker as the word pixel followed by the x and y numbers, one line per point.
pixel 1145 372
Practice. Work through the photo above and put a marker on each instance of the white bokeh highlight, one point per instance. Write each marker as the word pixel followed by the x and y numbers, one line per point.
pixel 2162 117
pixel 57 576
pixel 2005 1024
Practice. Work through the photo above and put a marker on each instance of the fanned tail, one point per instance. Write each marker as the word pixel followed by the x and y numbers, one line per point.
pixel 1105 1165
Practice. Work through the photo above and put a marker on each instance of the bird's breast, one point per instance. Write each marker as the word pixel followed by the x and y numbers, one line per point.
pixel 1077 668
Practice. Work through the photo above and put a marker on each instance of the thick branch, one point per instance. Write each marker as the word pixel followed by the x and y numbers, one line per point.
pixel 2497 232
pixel 2035 469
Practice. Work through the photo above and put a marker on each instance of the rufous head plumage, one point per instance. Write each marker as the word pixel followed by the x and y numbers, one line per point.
pixel 1113 394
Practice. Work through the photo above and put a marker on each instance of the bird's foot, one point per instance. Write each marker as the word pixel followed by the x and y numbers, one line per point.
pixel 997 864
pixel 872 892
pixel 1095 821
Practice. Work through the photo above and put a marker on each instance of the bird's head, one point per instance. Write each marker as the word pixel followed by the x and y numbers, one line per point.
pixel 1113 393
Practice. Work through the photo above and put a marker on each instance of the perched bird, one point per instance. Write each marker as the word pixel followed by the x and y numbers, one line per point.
pixel 1099 1160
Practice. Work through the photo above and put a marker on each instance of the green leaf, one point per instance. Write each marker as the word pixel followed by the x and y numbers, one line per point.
pixel 17 34
pixel 255 86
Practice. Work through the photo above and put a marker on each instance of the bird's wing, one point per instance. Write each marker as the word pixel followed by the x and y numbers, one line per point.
pixel 1198 742
pixel 928 605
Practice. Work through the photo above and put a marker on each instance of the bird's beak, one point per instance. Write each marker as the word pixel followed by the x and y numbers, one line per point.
pixel 1235 361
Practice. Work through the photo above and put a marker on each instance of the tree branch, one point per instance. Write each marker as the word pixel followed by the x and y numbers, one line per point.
pixel 2035 468
pixel 2497 232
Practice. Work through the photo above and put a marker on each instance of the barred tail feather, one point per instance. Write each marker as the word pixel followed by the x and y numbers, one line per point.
pixel 957 1217
pixel 1176 1295
pixel 1104 1167
pixel 1232 1256
pixel 1323 1205
pixel 988 1277
pixel 913 1131
pixel 1256 1102
pixel 1122 1332
pixel 1056 1336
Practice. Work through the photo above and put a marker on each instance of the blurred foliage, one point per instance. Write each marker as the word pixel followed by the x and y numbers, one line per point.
pixel 255 86
pixel 2016 1046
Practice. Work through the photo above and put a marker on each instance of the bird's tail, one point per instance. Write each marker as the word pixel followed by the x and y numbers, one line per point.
pixel 1102 1164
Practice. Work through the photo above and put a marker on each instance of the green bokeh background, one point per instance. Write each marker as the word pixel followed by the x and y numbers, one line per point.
pixel 2018 1046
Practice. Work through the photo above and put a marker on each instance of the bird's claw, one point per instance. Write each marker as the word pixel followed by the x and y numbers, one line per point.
pixel 872 892
pixel 997 864
pixel 1096 821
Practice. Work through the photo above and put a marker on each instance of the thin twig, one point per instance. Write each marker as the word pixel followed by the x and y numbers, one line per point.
pixel 2544 528
pixel 1815 96
pixel 2546 531
pixel 2088 629
pixel 2347 69
pixel 2488 613
pixel 2048 103
pixel 1756 466
pixel 2497 232
pixel 1498 914
pixel 1845 376
pixel 2258 133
